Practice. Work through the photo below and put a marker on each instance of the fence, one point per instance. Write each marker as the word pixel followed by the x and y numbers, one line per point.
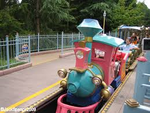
pixel 142 88
pixel 14 52
pixel 142 84
pixel 17 51
pixel 114 34
pixel 52 42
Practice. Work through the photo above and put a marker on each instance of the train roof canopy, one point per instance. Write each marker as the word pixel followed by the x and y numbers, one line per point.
pixel 130 27
pixel 109 40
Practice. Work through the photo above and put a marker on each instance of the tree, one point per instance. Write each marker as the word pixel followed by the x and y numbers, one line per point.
pixel 133 14
pixel 8 24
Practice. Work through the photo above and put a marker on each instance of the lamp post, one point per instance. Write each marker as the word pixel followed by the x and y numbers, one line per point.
pixel 104 15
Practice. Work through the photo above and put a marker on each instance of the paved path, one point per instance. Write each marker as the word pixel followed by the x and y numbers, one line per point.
pixel 39 59
pixel 126 93
pixel 19 85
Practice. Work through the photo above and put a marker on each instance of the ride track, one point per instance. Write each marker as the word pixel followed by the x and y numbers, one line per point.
pixel 49 103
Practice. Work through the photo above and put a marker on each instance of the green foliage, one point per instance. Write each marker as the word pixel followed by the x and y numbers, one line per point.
pixel 54 12
pixel 8 24
pixel 49 16
pixel 131 14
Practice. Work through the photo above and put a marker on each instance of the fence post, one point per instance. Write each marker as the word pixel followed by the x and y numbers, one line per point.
pixel 17 44
pixel 109 33
pixel 62 36
pixel 116 33
pixel 29 49
pixel 79 36
pixel 7 53
pixel 120 32
pixel 57 40
pixel 72 39
pixel 38 42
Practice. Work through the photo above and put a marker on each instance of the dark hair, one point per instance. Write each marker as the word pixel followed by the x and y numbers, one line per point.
pixel 129 39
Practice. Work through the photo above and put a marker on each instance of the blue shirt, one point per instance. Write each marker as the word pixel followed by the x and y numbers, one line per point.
pixel 127 47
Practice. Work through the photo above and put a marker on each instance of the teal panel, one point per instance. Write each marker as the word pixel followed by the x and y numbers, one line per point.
pixel 109 40
pixel 88 32
pixel 80 84
pixel 140 109
pixel 95 70
pixel 89 27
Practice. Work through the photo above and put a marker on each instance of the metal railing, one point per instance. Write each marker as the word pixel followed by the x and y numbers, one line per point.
pixel 141 88
pixel 17 51
pixel 52 42
pixel 14 52
pixel 114 34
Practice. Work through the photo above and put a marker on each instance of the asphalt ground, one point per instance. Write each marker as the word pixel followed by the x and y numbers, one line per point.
pixel 125 93
pixel 21 88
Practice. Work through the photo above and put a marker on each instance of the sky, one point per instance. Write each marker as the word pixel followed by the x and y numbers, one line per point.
pixel 20 0
pixel 147 2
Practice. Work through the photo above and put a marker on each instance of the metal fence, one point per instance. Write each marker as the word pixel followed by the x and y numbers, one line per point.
pixel 114 34
pixel 17 51
pixel 141 88
pixel 52 42
pixel 14 52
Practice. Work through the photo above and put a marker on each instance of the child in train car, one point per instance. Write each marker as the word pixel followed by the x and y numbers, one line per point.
pixel 128 46
pixel 147 35
pixel 134 38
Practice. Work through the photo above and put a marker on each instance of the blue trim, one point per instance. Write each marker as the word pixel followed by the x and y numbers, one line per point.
pixel 80 101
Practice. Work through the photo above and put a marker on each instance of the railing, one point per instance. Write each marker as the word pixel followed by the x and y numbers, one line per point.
pixel 11 52
pixel 52 42
pixel 114 34
pixel 142 84
pixel 142 88
pixel 17 51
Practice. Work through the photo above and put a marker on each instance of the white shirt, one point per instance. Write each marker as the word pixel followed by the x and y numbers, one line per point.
pixel 127 47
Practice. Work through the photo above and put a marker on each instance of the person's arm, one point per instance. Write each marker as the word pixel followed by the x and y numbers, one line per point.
pixel 121 47
pixel 134 47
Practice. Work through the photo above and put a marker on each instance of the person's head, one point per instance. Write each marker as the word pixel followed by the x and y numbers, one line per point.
pixel 147 35
pixel 133 34
pixel 128 41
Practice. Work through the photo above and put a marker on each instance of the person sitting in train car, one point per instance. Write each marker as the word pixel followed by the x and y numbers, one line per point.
pixel 128 46
pixel 134 38
pixel 147 35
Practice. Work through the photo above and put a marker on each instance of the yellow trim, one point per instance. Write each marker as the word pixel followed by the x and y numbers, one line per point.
pixel 132 103
pixel 111 99
pixel 88 39
pixel 91 72
pixel 34 105
pixel 78 69
pixel 82 44
pixel 31 96
pixel 92 63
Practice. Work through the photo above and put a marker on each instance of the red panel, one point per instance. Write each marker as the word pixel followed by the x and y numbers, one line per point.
pixel 82 62
pixel 106 62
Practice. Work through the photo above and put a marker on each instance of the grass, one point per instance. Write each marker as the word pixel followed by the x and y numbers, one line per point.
pixel 13 63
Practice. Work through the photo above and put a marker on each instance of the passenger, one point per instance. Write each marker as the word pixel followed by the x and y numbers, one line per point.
pixel 134 39
pixel 147 35
pixel 128 46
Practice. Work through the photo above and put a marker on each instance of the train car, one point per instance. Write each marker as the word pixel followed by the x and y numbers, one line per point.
pixel 98 71
pixel 126 32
